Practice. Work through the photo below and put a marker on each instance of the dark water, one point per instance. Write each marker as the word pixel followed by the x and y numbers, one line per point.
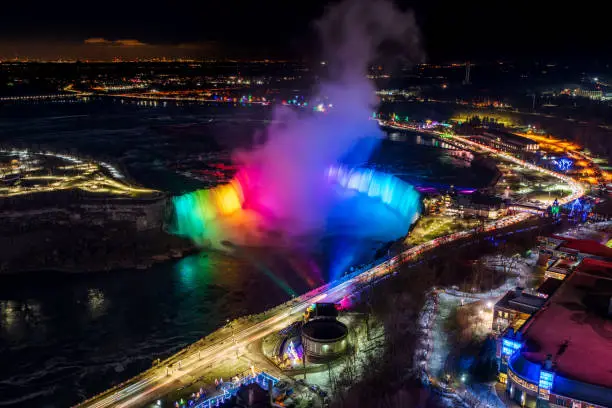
pixel 65 337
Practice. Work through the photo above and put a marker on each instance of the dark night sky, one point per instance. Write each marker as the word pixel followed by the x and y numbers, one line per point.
pixel 451 29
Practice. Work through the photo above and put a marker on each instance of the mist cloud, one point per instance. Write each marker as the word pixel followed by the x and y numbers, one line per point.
pixel 290 164
pixel 282 190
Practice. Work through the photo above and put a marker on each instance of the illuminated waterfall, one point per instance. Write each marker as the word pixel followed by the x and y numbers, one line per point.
pixel 201 215
pixel 393 192
pixel 194 212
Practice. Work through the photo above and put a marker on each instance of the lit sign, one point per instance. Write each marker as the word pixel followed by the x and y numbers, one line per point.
pixel 527 385
pixel 563 164
pixel 509 347
pixel 546 380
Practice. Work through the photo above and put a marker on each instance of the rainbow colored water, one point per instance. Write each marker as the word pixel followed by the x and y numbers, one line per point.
pixel 390 190
pixel 195 213
pixel 235 212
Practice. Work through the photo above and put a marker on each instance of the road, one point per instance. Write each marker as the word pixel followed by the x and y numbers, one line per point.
pixel 196 360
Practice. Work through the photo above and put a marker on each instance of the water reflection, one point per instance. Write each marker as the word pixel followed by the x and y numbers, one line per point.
pixel 16 316
pixel 397 137
pixel 96 302
pixel 194 271
pixel 8 314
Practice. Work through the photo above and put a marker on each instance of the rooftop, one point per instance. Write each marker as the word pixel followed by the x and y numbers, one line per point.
pixel 586 246
pixel 521 301
pixel 561 265
pixel 479 198
pixel 325 330
pixel 554 242
pixel 575 327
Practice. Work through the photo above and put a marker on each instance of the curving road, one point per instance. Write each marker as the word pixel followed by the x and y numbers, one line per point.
pixel 195 360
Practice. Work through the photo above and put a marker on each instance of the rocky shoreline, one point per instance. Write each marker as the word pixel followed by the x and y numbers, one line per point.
pixel 140 264
pixel 89 249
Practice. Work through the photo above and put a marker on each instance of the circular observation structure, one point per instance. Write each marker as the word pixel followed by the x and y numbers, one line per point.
pixel 324 339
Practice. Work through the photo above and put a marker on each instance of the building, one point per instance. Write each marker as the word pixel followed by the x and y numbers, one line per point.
pixel 324 339
pixel 515 308
pixel 591 93
pixel 507 142
pixel 531 209
pixel 571 249
pixel 478 205
pixel 559 268
pixel 561 355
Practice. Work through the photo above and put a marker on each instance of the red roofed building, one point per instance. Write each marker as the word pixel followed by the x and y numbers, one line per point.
pixel 562 355
pixel 586 247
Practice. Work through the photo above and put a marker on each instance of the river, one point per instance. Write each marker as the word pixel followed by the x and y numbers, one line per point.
pixel 66 337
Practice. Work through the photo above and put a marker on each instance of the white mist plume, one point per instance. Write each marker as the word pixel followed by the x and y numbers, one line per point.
pixel 291 162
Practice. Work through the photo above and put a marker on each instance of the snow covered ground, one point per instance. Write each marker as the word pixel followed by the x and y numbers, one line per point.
pixel 433 347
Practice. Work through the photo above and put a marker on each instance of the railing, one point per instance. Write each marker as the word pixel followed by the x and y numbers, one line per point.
pixel 262 378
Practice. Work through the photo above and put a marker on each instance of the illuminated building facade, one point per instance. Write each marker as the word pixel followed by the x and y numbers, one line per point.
pixel 560 357
pixel 514 309
pixel 571 249
pixel 596 94
pixel 559 268
pixel 507 142
pixel 478 205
